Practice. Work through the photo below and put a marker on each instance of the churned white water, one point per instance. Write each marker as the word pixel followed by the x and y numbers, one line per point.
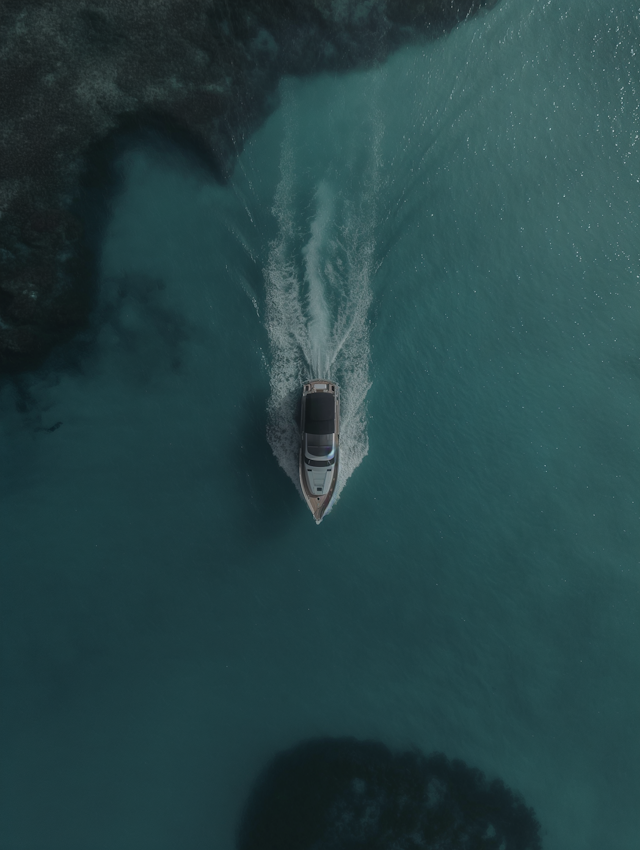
pixel 318 291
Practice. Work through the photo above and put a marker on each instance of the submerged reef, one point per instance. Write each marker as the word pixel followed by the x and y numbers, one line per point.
pixel 74 72
pixel 344 794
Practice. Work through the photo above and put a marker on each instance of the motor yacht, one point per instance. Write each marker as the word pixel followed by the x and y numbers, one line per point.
pixel 319 444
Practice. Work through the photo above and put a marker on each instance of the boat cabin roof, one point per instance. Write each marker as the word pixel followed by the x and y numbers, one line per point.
pixel 320 413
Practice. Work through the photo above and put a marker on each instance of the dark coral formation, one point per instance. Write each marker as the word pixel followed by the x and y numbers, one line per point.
pixel 343 794
pixel 73 71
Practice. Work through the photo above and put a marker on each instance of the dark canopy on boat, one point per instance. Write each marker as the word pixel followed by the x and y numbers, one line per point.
pixel 320 413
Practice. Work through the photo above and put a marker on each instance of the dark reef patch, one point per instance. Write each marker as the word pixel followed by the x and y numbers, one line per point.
pixel 344 794
pixel 51 428
pixel 140 330
pixel 75 72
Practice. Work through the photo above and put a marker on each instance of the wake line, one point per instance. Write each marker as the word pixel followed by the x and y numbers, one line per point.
pixel 318 297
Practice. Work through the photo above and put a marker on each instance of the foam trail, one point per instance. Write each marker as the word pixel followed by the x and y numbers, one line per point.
pixel 319 324
pixel 318 297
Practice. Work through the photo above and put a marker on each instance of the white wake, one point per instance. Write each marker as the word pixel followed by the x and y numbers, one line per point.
pixel 318 281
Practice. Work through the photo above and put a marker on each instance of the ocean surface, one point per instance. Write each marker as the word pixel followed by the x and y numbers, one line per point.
pixel 455 238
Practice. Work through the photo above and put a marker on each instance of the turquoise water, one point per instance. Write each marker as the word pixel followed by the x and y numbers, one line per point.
pixel 455 238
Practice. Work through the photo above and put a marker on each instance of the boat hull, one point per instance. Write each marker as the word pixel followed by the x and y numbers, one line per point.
pixel 316 473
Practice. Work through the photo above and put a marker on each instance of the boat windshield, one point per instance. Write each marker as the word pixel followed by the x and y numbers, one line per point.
pixel 319 445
